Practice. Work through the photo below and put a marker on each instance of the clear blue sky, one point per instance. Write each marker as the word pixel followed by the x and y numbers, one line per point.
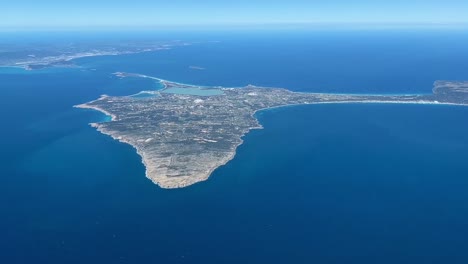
pixel 158 13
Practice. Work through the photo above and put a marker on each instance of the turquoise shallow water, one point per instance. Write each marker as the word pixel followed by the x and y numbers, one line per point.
pixel 343 183
pixel 194 91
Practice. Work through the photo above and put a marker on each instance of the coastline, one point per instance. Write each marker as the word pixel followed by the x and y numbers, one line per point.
pixel 147 163
pixel 366 102
pixel 165 82
pixel 168 182
pixel 87 106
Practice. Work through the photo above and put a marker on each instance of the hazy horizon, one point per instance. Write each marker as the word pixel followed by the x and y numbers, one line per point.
pixel 206 14
pixel 250 27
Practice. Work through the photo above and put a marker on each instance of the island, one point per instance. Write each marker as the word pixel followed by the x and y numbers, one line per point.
pixel 64 55
pixel 184 132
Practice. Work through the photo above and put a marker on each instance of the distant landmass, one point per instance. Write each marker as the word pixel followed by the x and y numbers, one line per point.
pixel 36 56
pixel 184 132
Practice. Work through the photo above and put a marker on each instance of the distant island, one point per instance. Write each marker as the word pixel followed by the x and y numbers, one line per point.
pixel 184 132
pixel 62 55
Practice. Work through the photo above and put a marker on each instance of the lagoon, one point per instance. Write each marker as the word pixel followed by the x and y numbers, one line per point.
pixel 194 91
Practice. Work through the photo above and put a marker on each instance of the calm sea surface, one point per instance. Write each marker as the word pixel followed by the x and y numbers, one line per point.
pixel 343 183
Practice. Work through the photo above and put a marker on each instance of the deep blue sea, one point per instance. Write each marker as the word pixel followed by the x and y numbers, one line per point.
pixel 349 183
